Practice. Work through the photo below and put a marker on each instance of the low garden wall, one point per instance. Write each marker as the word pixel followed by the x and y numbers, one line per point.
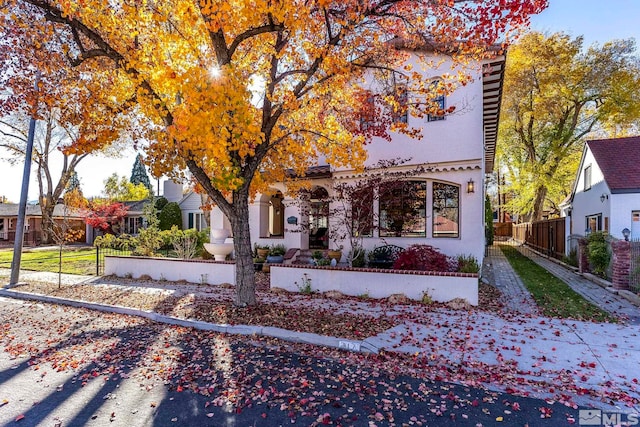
pixel 373 282
pixel 194 271
pixel 378 283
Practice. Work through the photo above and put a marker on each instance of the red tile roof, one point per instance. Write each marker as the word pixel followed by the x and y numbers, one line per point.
pixel 619 161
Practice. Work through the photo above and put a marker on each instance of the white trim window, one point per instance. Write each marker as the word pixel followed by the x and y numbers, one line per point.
pixel 196 220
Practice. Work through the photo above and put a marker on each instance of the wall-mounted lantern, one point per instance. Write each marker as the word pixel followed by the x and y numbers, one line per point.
pixel 604 197
pixel 471 187
pixel 626 233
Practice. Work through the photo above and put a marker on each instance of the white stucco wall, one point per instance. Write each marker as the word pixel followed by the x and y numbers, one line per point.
pixel 196 271
pixel 378 284
pixel 458 137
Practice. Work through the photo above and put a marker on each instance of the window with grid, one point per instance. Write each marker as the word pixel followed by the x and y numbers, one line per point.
pixel 403 209
pixel 446 210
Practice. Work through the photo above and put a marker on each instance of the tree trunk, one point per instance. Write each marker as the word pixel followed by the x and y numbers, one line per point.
pixel 538 203
pixel 47 223
pixel 245 273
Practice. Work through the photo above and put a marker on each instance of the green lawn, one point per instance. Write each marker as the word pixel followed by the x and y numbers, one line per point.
pixel 74 261
pixel 554 297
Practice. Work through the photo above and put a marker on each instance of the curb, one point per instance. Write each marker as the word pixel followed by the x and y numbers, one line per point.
pixel 265 331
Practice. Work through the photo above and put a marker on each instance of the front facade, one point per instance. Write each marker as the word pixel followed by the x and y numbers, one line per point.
pixel 441 205
pixel 606 192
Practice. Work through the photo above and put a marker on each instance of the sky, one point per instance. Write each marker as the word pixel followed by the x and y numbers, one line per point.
pixel 598 21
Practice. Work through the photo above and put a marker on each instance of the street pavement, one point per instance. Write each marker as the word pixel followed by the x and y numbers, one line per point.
pixel 65 366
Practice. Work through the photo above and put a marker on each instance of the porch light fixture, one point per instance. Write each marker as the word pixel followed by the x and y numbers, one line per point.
pixel 471 186
pixel 604 197
pixel 626 232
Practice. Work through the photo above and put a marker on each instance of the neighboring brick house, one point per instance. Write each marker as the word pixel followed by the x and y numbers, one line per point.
pixel 33 222
pixel 606 191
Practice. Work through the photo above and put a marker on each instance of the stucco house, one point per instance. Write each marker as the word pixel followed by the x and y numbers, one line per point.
pixel 446 198
pixel 606 191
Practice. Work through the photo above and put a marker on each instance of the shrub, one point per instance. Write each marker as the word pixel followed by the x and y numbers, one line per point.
pixel 160 203
pixel 572 258
pixel 170 215
pixel 423 258
pixel 599 255
pixel 467 264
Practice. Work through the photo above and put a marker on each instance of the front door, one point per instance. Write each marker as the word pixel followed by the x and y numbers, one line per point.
pixel 319 219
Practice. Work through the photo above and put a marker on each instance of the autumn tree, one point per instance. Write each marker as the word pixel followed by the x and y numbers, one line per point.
pixel 232 91
pixel 119 188
pixel 556 95
pixel 68 108
pixel 105 215
pixel 53 167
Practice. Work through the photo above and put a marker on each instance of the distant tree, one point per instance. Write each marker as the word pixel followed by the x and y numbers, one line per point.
pixel 119 188
pixel 50 138
pixel 170 215
pixel 488 221
pixel 139 174
pixel 555 95
pixel 74 183
pixel 106 216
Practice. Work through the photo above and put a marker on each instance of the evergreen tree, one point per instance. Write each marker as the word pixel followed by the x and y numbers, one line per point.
pixel 139 174
pixel 74 183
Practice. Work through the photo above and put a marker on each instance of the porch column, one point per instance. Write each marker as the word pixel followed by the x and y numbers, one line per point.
pixel 621 264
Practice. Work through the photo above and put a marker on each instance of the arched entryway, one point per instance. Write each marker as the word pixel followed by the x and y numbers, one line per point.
pixel 272 214
pixel 319 218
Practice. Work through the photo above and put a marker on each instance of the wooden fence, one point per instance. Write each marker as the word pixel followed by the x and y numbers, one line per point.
pixel 547 237
pixel 502 229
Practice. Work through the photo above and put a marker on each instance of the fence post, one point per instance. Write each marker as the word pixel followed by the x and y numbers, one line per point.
pixel 621 264
pixel 583 261
pixel 97 261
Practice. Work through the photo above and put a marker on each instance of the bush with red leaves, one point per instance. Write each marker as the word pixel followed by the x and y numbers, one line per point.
pixel 424 258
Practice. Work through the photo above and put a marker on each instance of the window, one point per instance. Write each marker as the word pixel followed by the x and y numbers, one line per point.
pixel 401 111
pixel 438 101
pixel 132 225
pixel 587 178
pixel 362 211
pixel 594 223
pixel 403 209
pixel 196 220
pixel 367 113
pixel 446 210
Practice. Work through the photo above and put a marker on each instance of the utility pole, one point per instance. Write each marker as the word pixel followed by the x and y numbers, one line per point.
pixel 22 207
